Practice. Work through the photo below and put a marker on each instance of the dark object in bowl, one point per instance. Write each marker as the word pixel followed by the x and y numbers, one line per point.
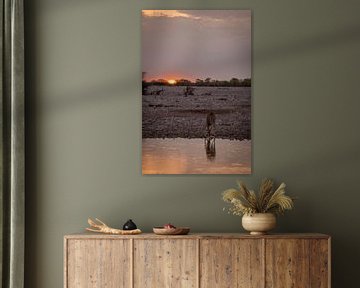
pixel 129 225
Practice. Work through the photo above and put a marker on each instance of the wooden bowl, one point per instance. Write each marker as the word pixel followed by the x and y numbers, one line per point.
pixel 171 231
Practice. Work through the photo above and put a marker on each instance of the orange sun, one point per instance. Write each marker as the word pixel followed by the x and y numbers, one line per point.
pixel 172 81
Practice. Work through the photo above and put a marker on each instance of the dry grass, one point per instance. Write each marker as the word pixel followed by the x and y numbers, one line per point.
pixel 267 200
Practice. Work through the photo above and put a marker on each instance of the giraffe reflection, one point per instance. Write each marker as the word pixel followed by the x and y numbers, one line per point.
pixel 210 148
pixel 210 136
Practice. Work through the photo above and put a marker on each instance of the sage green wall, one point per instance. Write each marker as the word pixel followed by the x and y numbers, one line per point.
pixel 84 126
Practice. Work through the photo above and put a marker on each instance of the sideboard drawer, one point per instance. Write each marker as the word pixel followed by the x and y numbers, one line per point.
pixel 231 263
pixel 98 263
pixel 297 263
pixel 165 263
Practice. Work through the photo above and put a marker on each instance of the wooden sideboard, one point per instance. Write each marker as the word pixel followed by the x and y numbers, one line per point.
pixel 197 260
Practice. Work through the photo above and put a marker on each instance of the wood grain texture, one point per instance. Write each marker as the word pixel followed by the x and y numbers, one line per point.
pixel 231 263
pixel 88 235
pixel 319 263
pixel 197 260
pixel 287 263
pixel 166 263
pixel 98 264
pixel 66 262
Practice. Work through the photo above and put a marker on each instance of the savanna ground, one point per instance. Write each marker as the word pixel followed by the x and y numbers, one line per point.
pixel 172 114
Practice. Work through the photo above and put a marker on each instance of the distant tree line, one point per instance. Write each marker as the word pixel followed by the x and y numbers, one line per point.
pixel 233 82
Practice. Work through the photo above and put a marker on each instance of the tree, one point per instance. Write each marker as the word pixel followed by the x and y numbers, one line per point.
pixel 234 82
pixel 159 82
pixel 199 82
pixel 246 82
pixel 183 82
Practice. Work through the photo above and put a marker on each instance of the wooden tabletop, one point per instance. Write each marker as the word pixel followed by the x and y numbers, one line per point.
pixel 89 235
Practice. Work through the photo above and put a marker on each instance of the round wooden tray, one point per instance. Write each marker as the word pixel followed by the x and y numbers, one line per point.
pixel 171 231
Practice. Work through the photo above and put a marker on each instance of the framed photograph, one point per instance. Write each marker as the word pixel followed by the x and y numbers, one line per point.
pixel 196 92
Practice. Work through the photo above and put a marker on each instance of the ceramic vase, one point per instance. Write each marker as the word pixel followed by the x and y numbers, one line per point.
pixel 259 223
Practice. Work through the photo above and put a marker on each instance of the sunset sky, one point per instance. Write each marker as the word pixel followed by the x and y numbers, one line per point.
pixel 195 44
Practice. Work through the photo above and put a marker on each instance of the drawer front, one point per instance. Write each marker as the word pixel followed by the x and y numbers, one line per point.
pixel 320 263
pixel 297 263
pixel 230 263
pixel 98 264
pixel 165 263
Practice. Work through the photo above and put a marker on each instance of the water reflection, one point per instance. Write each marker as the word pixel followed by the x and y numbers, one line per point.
pixel 210 148
pixel 186 156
